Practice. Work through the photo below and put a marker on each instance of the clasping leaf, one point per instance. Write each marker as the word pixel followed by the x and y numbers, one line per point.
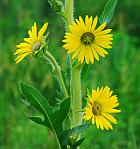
pixel 108 11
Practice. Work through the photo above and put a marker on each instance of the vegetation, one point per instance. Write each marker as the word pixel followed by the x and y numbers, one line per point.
pixel 120 70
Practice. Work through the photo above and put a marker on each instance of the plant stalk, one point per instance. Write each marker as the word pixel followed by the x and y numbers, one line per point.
pixel 58 72
pixel 76 74
pixel 69 4
pixel 75 84
pixel 76 96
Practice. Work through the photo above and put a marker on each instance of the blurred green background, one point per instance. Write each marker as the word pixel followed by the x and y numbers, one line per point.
pixel 120 70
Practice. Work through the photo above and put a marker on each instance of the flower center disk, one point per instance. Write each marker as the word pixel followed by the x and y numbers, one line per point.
pixel 36 46
pixel 96 109
pixel 87 38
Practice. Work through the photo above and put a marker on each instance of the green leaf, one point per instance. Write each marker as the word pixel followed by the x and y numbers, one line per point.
pixel 84 71
pixel 68 71
pixel 78 143
pixel 25 102
pixel 40 60
pixel 69 66
pixel 61 113
pixel 50 66
pixel 88 92
pixel 37 100
pixel 78 129
pixel 108 11
pixel 36 119
pixel 59 95
pixel 69 132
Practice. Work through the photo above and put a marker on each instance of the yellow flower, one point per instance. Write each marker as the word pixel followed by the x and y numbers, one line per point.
pixel 30 44
pixel 101 104
pixel 85 42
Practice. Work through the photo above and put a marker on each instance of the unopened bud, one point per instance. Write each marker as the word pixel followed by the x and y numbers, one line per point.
pixel 57 5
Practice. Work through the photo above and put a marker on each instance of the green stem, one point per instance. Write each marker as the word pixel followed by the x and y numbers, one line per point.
pixel 76 96
pixel 58 71
pixel 75 84
pixel 76 75
pixel 69 4
pixel 75 90
pixel 69 12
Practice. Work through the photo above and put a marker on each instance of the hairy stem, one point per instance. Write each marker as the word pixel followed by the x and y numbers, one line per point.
pixel 58 72
pixel 69 4
pixel 75 89
pixel 76 96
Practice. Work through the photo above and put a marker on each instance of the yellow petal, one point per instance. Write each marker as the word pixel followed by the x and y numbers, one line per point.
pixel 28 40
pixel 88 109
pixel 100 28
pixel 112 111
pixel 42 31
pixel 72 48
pixel 105 94
pixel 105 36
pixel 100 50
pixel 88 22
pixel 34 32
pixel 76 53
pixel 93 120
pixel 110 117
pixel 106 123
pixel 87 56
pixel 97 121
pixel 21 51
pixel 94 95
pixel 106 41
pixel 100 122
pixel 81 25
pixel 98 93
pixel 21 57
pixel 74 28
pixel 72 38
pixel 95 53
pixel 104 32
pixel 87 116
pixel 94 24
pixel 103 44
pixel 31 36
pixel 24 45
pixel 81 54
pixel 91 55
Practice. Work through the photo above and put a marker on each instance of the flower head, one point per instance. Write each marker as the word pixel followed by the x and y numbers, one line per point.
pixel 101 104
pixel 85 42
pixel 30 44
